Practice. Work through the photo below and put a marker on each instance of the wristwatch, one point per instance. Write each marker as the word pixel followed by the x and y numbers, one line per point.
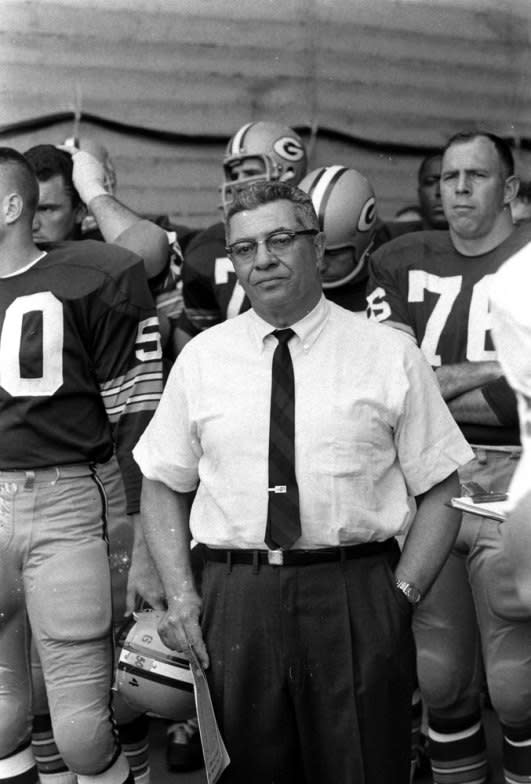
pixel 410 591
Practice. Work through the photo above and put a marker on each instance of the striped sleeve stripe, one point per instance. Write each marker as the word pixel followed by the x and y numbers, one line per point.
pixel 142 392
pixel 202 319
pixel 133 407
pixel 146 368
pixel 126 385
pixel 238 139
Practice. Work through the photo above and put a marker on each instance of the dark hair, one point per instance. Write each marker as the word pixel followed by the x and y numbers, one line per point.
pixel 425 161
pixel 256 194
pixel 23 176
pixel 47 162
pixel 502 147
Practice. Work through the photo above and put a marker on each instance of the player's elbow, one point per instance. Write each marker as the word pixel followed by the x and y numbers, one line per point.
pixel 150 242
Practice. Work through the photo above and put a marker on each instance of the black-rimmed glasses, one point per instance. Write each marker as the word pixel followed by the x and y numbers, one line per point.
pixel 278 243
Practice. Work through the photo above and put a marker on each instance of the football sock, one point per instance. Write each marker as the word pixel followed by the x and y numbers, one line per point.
pixel 135 745
pixel 457 750
pixel 517 754
pixel 19 767
pixel 51 766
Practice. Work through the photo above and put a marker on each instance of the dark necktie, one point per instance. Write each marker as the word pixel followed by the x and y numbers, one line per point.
pixel 283 516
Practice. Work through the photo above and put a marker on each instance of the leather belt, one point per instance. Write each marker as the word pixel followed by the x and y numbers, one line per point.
pixel 299 557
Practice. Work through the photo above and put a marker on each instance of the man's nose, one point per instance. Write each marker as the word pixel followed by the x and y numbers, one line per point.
pixel 462 184
pixel 263 257
pixel 36 224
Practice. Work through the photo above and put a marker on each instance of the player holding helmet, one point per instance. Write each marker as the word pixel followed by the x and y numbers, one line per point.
pixel 80 373
pixel 257 151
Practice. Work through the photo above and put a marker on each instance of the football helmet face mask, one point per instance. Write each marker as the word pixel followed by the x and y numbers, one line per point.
pixel 346 207
pixel 150 677
pixel 262 151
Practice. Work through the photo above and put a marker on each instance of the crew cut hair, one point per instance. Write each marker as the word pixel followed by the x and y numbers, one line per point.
pixel 23 177
pixel 502 147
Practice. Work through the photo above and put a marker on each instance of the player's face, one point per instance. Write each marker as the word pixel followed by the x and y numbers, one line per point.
pixel 248 167
pixel 429 192
pixel 282 287
pixel 56 219
pixel 337 264
pixel 473 188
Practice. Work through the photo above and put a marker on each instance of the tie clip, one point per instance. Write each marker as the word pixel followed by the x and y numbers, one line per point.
pixel 278 489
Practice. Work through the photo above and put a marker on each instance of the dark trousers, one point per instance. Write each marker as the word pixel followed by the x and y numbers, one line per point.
pixel 312 671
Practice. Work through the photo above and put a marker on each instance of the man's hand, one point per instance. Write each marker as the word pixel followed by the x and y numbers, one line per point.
pixel 180 627
pixel 88 174
pixel 143 579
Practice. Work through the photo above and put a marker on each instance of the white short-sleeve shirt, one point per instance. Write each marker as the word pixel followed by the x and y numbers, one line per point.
pixel 371 429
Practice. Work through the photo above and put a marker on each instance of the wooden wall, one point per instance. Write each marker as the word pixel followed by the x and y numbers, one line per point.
pixel 378 81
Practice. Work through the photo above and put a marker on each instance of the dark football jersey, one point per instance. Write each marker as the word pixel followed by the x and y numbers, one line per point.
pixel 80 359
pixel 421 281
pixel 211 291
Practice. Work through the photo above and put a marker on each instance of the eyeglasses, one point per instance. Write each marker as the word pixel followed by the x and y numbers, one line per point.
pixel 278 242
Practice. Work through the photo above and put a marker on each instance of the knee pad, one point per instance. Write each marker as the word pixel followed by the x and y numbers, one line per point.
pixel 510 691
pixel 86 743
pixel 504 597
pixel 72 596
pixel 443 682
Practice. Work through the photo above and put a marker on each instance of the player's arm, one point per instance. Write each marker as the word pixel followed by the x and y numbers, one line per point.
pixel 494 404
pixel 117 223
pixel 385 302
pixel 128 359
pixel 431 535
pixel 165 520
pixel 456 379
pixel 142 579
pixel 516 533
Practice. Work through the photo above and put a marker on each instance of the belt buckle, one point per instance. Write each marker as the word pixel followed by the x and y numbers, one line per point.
pixel 275 557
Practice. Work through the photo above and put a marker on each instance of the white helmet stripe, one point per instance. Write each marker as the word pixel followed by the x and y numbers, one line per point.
pixel 238 139
pixel 322 188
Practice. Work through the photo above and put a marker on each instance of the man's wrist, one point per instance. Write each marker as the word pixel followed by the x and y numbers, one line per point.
pixel 91 192
pixel 410 591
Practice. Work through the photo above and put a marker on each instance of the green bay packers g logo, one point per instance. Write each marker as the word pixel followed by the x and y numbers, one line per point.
pixel 367 215
pixel 289 148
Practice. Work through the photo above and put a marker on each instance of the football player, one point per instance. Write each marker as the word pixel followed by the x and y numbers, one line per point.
pixel 81 375
pixel 69 181
pixel 346 207
pixel 435 287
pixel 258 151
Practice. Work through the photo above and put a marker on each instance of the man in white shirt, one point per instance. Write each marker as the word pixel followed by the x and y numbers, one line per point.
pixel 308 643
pixel 511 327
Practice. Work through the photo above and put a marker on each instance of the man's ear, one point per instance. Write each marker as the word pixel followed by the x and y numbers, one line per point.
pixel 12 207
pixel 510 189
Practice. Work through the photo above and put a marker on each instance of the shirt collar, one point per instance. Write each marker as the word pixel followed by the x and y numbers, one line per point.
pixel 306 329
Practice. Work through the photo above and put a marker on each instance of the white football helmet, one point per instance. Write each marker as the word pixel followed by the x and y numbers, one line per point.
pixel 346 207
pixel 150 677
pixel 262 151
